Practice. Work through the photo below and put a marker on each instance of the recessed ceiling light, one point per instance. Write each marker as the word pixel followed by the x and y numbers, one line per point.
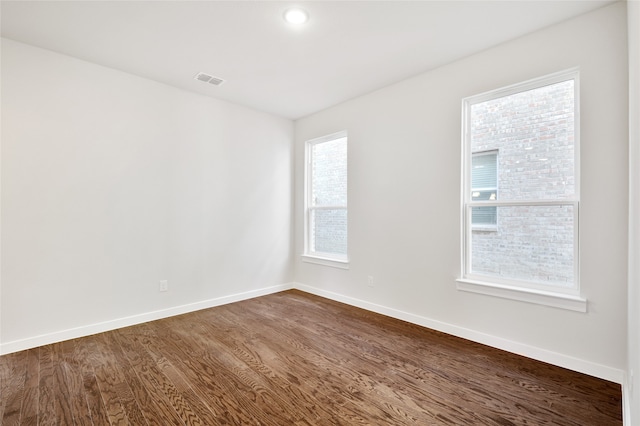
pixel 296 16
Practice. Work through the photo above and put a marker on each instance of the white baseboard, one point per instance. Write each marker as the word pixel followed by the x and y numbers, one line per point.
pixel 561 360
pixel 626 401
pixel 572 363
pixel 73 333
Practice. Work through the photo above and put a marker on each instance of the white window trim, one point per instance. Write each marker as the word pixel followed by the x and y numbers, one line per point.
pixel 319 258
pixel 540 297
pixel 565 298
pixel 326 261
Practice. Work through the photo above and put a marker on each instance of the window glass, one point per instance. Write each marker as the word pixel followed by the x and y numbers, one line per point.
pixel 329 231
pixel 329 166
pixel 520 192
pixel 326 198
pixel 532 243
pixel 534 132
pixel 484 187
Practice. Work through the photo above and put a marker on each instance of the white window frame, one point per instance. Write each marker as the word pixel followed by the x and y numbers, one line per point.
pixel 567 298
pixel 310 256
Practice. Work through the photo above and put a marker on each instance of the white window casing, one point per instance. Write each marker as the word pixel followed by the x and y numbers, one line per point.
pixel 519 194
pixel 325 218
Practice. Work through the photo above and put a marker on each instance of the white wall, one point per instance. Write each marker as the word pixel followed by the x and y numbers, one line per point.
pixel 404 198
pixel 111 183
pixel 632 390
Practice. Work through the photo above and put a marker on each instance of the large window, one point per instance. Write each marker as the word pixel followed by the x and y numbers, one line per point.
pixel 520 188
pixel 326 198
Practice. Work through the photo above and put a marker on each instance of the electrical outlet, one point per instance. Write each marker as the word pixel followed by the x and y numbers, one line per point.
pixel 163 286
pixel 370 281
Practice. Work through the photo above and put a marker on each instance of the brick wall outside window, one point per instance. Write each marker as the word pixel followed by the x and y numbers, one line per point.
pixel 533 132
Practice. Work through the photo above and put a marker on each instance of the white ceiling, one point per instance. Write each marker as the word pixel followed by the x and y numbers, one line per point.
pixel 348 48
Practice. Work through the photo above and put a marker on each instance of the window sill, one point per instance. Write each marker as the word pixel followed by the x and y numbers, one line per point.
pixel 557 300
pixel 485 228
pixel 326 261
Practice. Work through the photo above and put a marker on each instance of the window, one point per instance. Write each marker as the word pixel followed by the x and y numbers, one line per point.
pixel 326 200
pixel 484 187
pixel 522 141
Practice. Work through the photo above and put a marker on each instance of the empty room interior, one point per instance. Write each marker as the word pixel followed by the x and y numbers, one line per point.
pixel 320 212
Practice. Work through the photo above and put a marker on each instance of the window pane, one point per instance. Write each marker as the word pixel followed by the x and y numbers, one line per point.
pixel 531 243
pixel 484 182
pixel 329 173
pixel 484 173
pixel 484 195
pixel 534 132
pixel 329 231
pixel 484 216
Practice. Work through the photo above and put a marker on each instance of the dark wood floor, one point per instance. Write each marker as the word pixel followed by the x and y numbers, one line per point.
pixel 292 359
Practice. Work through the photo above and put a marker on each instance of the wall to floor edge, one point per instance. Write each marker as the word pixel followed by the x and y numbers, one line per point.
pixel 579 365
pixel 571 363
pixel 78 332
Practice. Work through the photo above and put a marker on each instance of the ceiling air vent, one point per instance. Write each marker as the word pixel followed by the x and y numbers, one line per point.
pixel 209 79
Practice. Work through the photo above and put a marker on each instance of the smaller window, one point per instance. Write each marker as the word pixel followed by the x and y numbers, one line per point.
pixel 326 198
pixel 484 187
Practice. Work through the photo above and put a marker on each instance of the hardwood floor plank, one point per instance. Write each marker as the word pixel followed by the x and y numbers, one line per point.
pixel 46 389
pixel 64 389
pixel 29 408
pixel 85 351
pixel 292 358
pixel 15 389
pixel 111 382
pixel 71 358
pixel 6 364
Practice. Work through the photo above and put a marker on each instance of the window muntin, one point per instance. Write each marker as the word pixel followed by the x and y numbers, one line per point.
pixel 534 127
pixel 326 198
